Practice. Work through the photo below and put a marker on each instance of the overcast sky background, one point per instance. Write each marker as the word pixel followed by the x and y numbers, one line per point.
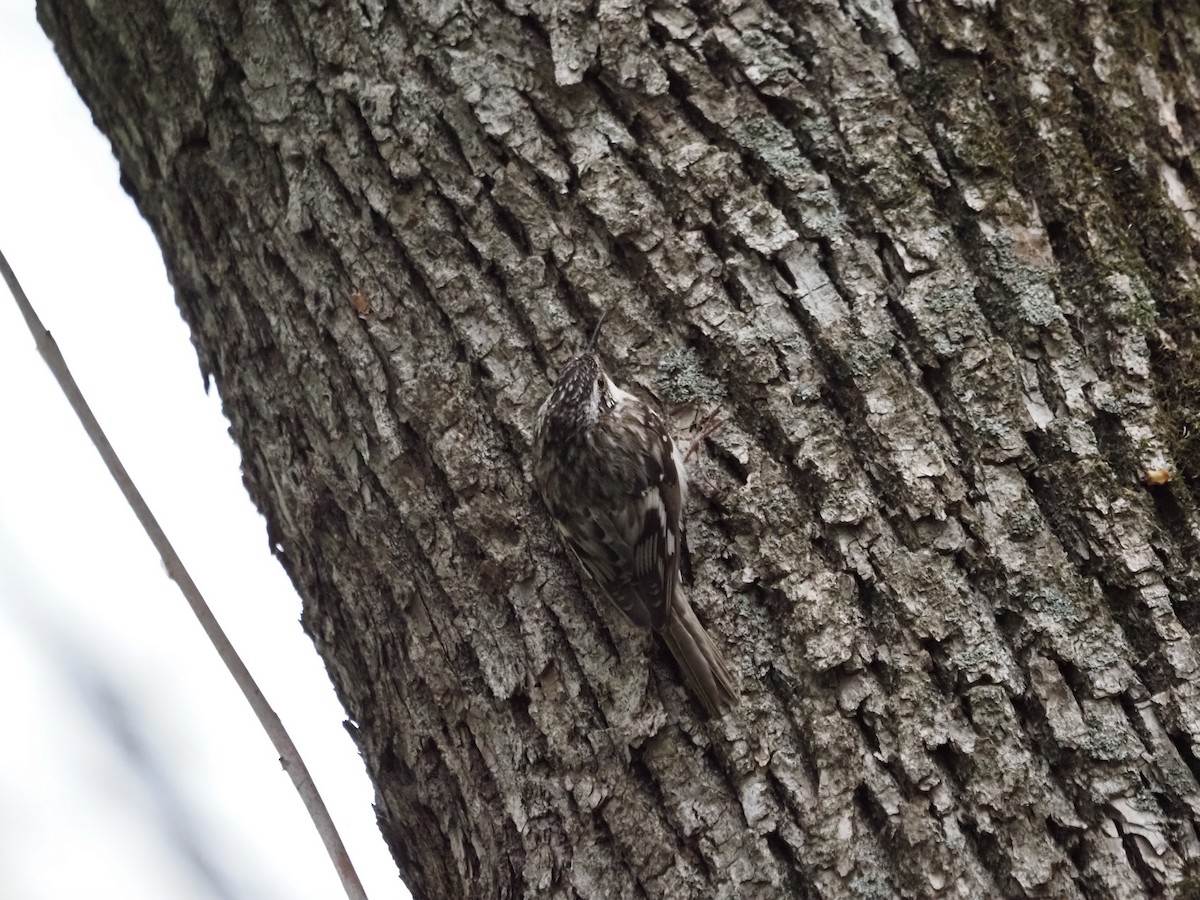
pixel 130 765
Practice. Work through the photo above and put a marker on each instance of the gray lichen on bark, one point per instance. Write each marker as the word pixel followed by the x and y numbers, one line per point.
pixel 937 262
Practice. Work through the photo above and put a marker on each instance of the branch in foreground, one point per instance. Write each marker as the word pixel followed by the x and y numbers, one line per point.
pixel 289 756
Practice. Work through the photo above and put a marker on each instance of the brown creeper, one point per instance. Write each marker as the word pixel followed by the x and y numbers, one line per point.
pixel 615 483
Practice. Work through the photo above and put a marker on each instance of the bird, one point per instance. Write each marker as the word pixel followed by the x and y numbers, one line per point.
pixel 614 481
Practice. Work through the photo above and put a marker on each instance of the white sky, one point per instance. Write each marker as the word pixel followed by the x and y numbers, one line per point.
pixel 130 765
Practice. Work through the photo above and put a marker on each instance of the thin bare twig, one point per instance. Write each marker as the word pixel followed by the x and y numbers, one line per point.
pixel 289 756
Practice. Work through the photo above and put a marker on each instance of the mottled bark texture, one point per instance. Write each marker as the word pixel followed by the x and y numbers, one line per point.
pixel 936 262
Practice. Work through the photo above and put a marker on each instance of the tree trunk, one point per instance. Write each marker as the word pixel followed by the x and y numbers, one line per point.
pixel 936 266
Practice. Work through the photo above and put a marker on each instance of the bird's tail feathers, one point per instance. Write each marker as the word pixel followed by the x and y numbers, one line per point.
pixel 698 657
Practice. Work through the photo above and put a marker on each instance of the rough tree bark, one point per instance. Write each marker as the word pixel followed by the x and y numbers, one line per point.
pixel 936 262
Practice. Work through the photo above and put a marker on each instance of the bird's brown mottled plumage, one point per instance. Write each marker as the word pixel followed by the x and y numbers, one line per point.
pixel 616 485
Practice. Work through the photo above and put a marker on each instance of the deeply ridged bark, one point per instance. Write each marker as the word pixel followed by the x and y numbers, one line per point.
pixel 935 263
